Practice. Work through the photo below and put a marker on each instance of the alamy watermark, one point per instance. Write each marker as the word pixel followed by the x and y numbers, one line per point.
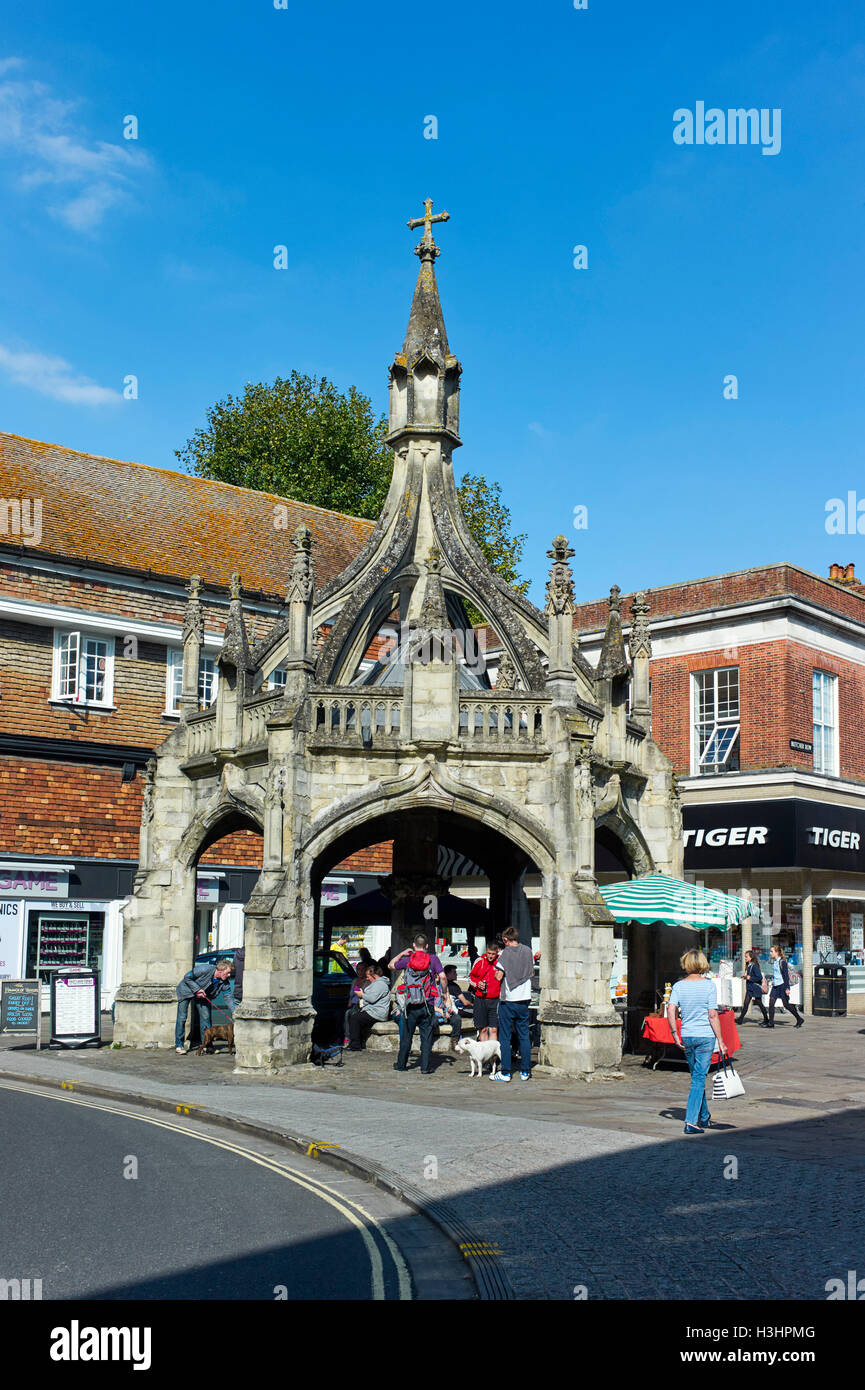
pixel 735 126
pixel 845 517
pixel 22 517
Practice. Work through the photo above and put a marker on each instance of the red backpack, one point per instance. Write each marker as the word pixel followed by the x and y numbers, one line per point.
pixel 418 982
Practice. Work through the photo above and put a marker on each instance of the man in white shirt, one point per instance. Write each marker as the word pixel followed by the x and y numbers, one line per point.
pixel 515 967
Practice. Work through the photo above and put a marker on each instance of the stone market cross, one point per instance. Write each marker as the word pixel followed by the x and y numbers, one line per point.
pixel 524 776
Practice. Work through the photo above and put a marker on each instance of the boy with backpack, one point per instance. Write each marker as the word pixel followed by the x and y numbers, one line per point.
pixel 423 978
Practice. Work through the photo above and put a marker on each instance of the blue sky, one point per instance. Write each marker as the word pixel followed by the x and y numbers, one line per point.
pixel 600 387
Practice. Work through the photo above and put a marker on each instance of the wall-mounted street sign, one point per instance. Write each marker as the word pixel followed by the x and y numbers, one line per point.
pixel 75 1013
pixel 799 745
pixel 20 1007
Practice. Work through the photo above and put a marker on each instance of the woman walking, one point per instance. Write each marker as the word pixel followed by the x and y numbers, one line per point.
pixel 781 987
pixel 697 1000
pixel 753 977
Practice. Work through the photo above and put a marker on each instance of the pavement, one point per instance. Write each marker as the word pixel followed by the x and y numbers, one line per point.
pixel 273 1228
pixel 576 1189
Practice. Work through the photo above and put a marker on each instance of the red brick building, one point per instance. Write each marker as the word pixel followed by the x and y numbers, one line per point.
pixel 758 697
pixel 95 556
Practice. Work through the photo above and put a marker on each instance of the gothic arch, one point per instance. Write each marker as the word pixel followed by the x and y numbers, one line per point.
pixel 631 838
pixel 427 787
pixel 226 810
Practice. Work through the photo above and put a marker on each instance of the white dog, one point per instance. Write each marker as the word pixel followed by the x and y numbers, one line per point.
pixel 480 1052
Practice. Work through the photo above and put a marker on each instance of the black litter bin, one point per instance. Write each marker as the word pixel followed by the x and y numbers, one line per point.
pixel 830 991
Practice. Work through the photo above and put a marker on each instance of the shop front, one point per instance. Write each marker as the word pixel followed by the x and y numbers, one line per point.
pixel 804 861
pixel 62 914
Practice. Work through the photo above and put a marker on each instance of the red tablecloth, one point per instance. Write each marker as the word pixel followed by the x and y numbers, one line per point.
pixel 657 1030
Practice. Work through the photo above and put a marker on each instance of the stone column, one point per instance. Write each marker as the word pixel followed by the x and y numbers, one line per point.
pixel 561 680
pixel 274 1021
pixel 414 880
pixel 159 919
pixel 640 650
pixel 193 640
pixel 807 944
pixel 581 1032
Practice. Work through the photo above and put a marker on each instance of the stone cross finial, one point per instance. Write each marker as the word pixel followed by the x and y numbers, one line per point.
pixel 427 244
pixel 234 587
pixel 615 598
pixel 193 588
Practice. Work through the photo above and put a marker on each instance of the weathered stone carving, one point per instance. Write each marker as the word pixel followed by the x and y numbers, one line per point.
pixel 560 585
pixel 640 641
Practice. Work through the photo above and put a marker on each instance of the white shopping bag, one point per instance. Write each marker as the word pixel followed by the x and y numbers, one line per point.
pixel 727 1083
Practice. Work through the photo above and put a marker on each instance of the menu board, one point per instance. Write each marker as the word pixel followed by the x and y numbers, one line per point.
pixel 20 1002
pixel 75 1014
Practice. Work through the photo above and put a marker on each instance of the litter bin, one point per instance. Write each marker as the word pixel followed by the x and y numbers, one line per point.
pixel 830 991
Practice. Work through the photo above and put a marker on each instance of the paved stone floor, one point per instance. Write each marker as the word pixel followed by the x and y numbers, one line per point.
pixel 585 1184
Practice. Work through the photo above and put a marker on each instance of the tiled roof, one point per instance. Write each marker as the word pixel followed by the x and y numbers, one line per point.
pixel 129 515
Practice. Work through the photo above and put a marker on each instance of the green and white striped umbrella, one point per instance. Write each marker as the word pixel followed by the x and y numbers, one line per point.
pixel 660 898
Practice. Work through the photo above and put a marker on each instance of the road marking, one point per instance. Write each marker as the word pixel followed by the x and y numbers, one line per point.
pixel 359 1217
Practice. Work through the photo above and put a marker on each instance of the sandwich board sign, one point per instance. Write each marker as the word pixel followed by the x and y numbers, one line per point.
pixel 20 1007
pixel 75 1012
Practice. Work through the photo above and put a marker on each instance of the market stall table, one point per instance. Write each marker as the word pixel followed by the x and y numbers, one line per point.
pixel 656 1032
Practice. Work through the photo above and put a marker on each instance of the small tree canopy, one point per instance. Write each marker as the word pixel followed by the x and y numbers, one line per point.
pixel 305 439
pixel 489 521
pixel 298 438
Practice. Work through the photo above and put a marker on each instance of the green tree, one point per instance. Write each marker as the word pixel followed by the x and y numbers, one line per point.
pixel 489 521
pixel 305 439
pixel 298 438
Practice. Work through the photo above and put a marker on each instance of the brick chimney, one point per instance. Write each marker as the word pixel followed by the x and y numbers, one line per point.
pixel 844 574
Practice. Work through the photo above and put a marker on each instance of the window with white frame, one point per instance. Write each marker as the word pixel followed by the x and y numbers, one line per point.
pixel 276 679
pixel 207 681
pixel 716 720
pixel 824 695
pixel 83 668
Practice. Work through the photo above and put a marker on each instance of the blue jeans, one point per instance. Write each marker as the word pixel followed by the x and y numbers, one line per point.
pixel 698 1053
pixel 183 1010
pixel 515 1014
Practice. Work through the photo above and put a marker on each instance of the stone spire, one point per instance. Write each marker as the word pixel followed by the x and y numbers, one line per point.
pixel 426 326
pixel 424 377
pixel 433 613
pixel 235 645
pixel 612 662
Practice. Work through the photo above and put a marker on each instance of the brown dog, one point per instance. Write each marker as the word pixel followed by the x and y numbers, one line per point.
pixel 223 1032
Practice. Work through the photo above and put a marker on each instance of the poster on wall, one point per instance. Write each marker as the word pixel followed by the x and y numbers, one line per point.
pixel 857 931
pixel 11 937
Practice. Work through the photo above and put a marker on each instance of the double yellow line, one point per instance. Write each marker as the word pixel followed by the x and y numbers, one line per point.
pixel 357 1215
